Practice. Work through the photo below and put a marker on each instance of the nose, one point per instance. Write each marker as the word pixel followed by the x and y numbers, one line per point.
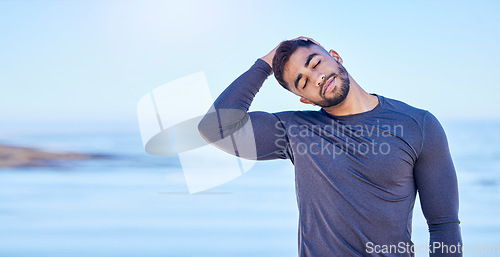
pixel 320 78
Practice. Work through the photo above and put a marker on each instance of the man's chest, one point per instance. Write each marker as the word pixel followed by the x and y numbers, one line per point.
pixel 378 156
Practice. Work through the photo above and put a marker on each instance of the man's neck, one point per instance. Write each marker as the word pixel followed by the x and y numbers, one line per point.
pixel 357 101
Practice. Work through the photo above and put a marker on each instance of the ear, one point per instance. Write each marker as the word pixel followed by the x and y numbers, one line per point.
pixel 336 56
pixel 305 101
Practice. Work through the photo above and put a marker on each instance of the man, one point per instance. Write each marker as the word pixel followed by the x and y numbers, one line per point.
pixel 359 161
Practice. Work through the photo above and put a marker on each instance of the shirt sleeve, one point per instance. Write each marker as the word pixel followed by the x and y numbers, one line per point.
pixel 252 135
pixel 436 183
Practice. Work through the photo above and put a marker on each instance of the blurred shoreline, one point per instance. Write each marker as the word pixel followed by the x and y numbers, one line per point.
pixel 23 157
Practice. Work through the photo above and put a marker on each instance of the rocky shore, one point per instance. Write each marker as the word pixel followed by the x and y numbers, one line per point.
pixel 14 156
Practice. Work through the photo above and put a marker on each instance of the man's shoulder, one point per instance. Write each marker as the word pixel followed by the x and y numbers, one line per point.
pixel 403 108
pixel 404 112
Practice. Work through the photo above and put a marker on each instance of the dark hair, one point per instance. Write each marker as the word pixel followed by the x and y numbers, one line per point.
pixel 282 56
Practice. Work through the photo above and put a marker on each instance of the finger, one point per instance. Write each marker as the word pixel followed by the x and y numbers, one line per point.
pixel 307 39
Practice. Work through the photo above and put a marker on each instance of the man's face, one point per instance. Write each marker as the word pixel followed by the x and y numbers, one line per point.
pixel 316 76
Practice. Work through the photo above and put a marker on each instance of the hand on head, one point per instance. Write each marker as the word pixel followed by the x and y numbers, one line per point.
pixel 269 57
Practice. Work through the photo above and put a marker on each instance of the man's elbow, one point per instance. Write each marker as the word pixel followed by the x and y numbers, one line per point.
pixel 209 127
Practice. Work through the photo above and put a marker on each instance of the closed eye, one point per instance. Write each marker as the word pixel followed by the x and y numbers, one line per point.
pixel 314 67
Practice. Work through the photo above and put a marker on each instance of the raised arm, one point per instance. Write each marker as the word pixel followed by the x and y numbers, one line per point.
pixel 253 135
pixel 436 182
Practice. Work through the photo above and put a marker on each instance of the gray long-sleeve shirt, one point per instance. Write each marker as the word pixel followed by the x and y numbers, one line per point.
pixel 356 176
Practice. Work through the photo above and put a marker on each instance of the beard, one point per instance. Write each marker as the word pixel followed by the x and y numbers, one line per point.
pixel 339 93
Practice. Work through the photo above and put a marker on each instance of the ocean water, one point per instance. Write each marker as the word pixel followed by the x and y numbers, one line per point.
pixel 133 204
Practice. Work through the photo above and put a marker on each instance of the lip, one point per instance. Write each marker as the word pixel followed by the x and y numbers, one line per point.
pixel 329 84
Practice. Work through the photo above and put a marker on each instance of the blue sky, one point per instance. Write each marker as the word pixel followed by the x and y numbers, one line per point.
pixel 84 61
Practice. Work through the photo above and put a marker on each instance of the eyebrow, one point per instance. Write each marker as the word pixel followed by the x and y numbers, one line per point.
pixel 297 81
pixel 309 58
